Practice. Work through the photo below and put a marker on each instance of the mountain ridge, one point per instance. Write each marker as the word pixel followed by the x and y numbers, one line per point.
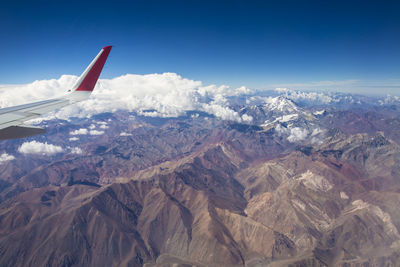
pixel 199 190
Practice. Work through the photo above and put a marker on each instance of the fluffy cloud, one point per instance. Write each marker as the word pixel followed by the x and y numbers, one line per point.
pixel 34 147
pixel 247 118
pixel 222 112
pixel 95 132
pixel 163 95
pixel 73 139
pixel 297 134
pixel 219 106
pixel 76 150
pixel 6 157
pixel 317 136
pixel 81 131
pixel 125 134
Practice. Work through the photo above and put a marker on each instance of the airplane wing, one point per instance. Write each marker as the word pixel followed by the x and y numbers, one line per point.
pixel 12 118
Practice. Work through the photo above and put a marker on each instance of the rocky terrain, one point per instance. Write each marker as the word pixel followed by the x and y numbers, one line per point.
pixel 300 185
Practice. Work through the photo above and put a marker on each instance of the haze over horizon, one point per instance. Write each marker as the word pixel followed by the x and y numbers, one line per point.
pixel 348 46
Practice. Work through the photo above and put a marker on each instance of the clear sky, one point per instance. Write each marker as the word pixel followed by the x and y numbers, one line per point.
pixel 260 44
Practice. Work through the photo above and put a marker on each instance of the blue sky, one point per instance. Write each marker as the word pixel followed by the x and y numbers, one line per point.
pixel 338 45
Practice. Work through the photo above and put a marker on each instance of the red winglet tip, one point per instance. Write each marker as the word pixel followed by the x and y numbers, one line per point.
pixel 89 80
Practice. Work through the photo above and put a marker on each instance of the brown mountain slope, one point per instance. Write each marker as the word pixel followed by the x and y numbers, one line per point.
pixel 321 206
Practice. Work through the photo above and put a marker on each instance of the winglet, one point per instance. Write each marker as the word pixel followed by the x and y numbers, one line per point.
pixel 89 77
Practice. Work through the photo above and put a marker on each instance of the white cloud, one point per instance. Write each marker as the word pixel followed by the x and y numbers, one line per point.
pixel 74 139
pixel 95 132
pixel 125 134
pixel 297 134
pixel 164 95
pixel 242 90
pixel 316 141
pixel 81 131
pixel 35 147
pixel 92 126
pixel 222 112
pixel 76 150
pixel 103 126
pixel 247 118
pixel 281 130
pixel 219 107
pixel 6 157
pixel 317 136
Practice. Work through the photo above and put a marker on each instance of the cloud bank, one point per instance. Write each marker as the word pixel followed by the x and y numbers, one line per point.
pixel 162 95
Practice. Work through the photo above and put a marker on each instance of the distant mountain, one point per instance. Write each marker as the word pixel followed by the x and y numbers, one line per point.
pixel 299 185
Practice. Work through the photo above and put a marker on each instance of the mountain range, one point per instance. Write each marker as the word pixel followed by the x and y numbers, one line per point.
pixel 303 179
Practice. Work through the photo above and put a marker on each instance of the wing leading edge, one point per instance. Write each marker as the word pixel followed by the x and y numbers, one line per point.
pixel 12 118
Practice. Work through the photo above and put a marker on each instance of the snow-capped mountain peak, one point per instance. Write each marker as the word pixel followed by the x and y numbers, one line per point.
pixel 281 104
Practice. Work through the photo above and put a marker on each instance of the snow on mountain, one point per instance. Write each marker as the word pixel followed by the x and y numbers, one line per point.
pixel 320 112
pixel 280 104
pixel 389 99
pixel 288 120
